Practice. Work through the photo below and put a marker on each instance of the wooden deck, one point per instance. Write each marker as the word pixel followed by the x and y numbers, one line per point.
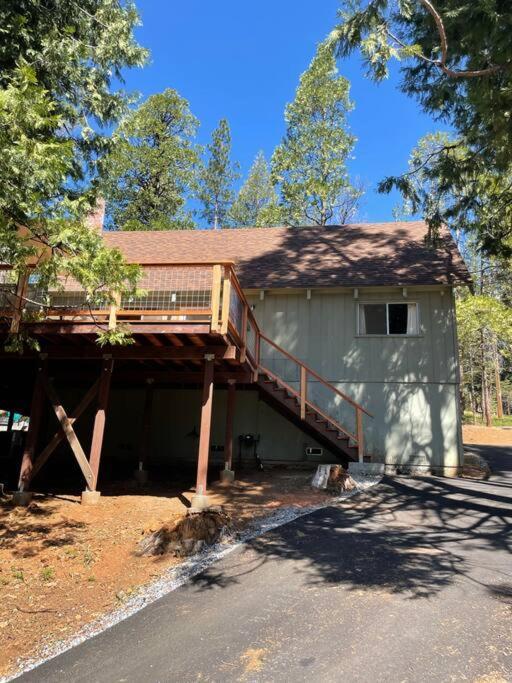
pixel 191 323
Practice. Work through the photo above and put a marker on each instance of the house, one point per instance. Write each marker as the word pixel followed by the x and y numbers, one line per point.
pixel 297 345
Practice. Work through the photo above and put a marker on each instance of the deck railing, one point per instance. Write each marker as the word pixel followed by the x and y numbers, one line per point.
pixel 313 392
pixel 181 292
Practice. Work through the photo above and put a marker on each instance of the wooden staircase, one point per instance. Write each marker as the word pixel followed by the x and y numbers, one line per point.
pixel 294 403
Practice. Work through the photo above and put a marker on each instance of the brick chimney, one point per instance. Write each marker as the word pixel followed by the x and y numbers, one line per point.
pixel 94 219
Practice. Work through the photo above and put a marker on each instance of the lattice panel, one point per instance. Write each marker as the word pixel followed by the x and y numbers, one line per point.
pixel 173 288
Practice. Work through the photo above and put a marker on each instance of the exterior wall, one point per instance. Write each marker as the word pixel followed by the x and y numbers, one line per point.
pixel 176 413
pixel 409 384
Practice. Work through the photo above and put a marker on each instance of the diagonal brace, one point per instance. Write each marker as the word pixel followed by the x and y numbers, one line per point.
pixel 69 432
pixel 60 435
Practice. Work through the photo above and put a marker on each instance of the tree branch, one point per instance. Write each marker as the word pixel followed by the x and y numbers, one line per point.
pixel 441 63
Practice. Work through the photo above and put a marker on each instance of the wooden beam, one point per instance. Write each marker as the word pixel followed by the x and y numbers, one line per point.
pixel 36 410
pixel 230 413
pixel 59 436
pixel 133 352
pixel 67 428
pixel 205 429
pixel 58 327
pixel 99 419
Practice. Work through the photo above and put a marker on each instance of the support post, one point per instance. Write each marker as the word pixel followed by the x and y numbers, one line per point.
pixel 99 428
pixel 141 474
pixel 360 435
pixel 200 500
pixel 227 475
pixel 36 409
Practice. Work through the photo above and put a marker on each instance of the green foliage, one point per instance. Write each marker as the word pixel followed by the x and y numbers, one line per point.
pixel 457 62
pixel 120 335
pixel 216 177
pixel 57 65
pixel 471 202
pixel 310 162
pixel 484 315
pixel 152 166
pixel 256 198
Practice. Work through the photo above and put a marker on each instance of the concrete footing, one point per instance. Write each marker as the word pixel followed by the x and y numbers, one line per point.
pixel 227 476
pixel 141 476
pixel 199 502
pixel 90 497
pixel 22 498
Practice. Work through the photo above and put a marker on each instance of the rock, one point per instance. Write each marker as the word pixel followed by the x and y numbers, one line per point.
pixel 475 467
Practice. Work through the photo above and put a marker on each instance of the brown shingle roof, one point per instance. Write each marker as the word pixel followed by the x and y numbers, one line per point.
pixel 361 254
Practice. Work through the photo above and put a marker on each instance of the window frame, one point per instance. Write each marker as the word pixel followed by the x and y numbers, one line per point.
pixel 387 303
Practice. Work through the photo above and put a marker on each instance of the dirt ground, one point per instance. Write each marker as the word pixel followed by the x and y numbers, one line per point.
pixel 490 436
pixel 63 564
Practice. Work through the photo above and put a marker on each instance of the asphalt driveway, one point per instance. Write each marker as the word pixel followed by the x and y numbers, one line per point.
pixel 411 581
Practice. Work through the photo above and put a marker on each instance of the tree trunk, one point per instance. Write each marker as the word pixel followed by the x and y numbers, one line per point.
pixel 486 401
pixel 499 398
pixel 472 388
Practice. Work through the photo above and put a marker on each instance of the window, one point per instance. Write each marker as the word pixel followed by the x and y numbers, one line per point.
pixel 384 319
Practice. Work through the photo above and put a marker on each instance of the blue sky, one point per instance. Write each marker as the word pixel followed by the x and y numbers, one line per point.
pixel 242 60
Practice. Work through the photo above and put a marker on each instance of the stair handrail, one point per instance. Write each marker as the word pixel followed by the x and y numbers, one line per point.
pixel 310 371
pixel 305 370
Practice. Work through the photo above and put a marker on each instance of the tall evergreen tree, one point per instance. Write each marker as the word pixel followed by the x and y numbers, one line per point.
pixel 457 63
pixel 310 163
pixel 216 177
pixel 255 195
pixel 152 166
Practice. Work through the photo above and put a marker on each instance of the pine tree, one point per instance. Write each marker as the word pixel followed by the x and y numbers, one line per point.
pixel 456 62
pixel 150 171
pixel 255 195
pixel 310 163
pixel 216 177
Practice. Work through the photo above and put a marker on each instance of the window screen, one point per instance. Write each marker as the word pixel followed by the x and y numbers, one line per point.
pixel 389 318
pixel 374 319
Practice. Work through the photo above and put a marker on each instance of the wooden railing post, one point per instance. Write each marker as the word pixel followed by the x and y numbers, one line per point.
pixel 226 302
pixel 303 391
pixel 359 434
pixel 114 307
pixel 243 350
pixel 21 291
pixel 216 286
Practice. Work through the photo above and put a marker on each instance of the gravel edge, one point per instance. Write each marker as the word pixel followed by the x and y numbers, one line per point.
pixel 175 577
